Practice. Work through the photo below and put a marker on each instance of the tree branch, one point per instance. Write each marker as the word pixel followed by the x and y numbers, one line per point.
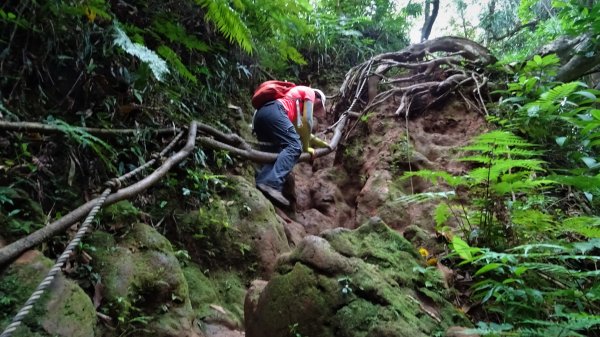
pixel 515 30
pixel 14 249
pixel 46 128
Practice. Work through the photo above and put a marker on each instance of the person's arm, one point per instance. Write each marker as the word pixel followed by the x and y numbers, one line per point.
pixel 305 126
pixel 309 141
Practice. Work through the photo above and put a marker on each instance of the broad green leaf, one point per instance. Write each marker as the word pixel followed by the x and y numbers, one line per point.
pixel 520 270
pixel 586 94
pixel 560 140
pixel 488 267
pixel 589 161
pixel 462 248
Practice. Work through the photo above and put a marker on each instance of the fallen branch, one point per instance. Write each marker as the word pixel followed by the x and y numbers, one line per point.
pixel 47 128
pixel 16 248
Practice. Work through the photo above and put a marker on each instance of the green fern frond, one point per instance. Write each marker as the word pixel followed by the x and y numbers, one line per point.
pixel 441 214
pixel 549 268
pixel 482 159
pixel 171 56
pixel 423 197
pixel 520 186
pixel 533 219
pixel 544 247
pixel 586 226
pixel 559 92
pixel 157 65
pixel 500 167
pixel 292 54
pixel 499 138
pixel 103 150
pixel 584 183
pixel 176 33
pixel 228 22
pixel 434 177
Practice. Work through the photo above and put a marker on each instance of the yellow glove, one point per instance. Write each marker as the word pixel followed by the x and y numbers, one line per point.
pixel 312 153
pixel 317 142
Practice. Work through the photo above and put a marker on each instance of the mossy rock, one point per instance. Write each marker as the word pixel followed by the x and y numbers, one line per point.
pixel 365 282
pixel 119 214
pixel 143 283
pixel 64 309
pixel 218 297
pixel 240 229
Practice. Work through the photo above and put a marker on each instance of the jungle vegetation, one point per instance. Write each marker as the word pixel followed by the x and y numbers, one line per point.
pixel 529 238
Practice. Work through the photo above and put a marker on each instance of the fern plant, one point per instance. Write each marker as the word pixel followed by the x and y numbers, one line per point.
pixel 541 289
pixel 228 21
pixel 507 169
pixel 103 150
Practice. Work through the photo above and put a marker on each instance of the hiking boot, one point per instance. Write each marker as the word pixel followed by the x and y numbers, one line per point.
pixel 273 194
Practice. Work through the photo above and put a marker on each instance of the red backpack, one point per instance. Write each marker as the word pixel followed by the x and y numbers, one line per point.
pixel 270 91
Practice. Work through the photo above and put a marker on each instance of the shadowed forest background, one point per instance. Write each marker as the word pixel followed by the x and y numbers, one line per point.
pixel 461 198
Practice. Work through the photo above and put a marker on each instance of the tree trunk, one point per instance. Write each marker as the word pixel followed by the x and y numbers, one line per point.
pixel 577 55
pixel 429 19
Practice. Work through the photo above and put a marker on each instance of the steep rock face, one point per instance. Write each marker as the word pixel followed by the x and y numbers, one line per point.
pixel 365 282
pixel 384 147
pixel 64 310
pixel 240 228
pixel 143 286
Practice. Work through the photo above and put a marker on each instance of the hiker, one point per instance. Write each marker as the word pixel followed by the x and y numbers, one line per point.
pixel 286 122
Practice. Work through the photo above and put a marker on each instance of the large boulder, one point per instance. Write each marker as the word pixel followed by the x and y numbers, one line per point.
pixel 239 229
pixel 143 285
pixel 64 310
pixel 365 282
pixel 217 298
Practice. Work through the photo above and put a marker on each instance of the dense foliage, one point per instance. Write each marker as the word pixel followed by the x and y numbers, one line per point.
pixel 527 214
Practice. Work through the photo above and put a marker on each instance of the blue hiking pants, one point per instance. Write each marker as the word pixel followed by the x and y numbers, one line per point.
pixel 272 125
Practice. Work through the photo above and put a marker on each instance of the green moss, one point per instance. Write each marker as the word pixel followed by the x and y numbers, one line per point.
pixel 18 283
pixel 366 282
pixel 202 291
pixel 142 236
pixel 230 228
pixel 64 309
pixel 122 212
pixel 224 289
pixel 357 318
pixel 300 297
pixel 147 281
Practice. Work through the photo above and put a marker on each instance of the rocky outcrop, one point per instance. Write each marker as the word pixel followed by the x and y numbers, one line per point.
pixel 64 310
pixel 143 286
pixel 217 298
pixel 240 228
pixel 365 282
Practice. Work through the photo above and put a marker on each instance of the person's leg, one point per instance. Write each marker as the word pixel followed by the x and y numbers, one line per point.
pixel 272 125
